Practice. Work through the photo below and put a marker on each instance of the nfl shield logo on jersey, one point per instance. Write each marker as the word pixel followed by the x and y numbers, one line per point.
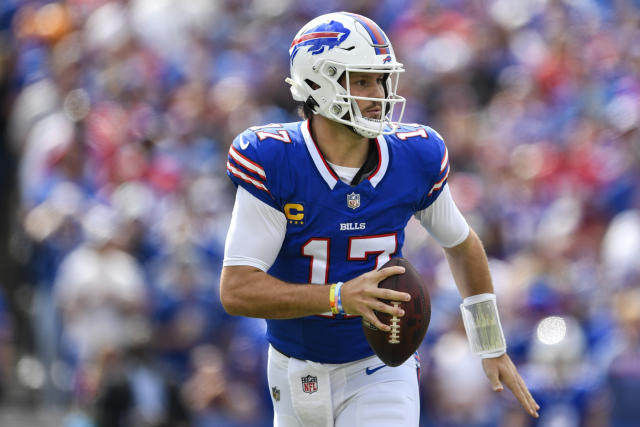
pixel 309 384
pixel 353 200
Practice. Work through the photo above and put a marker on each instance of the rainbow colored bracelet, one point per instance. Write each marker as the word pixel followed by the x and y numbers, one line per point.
pixel 332 299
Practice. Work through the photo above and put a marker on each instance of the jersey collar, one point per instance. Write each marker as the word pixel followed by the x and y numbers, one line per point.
pixel 325 171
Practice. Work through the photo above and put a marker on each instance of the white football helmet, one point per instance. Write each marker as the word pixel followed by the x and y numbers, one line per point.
pixel 337 43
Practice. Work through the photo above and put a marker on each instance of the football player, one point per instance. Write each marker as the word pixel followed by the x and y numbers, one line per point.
pixel 321 205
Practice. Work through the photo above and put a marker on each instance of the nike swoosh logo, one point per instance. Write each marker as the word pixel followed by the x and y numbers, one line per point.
pixel 370 371
pixel 243 144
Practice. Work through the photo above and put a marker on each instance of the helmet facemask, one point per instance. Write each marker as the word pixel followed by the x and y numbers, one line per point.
pixel 369 127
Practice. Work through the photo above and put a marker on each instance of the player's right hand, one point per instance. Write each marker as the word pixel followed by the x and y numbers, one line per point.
pixel 361 296
pixel 502 370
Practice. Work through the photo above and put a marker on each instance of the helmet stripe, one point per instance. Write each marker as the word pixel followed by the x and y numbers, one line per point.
pixel 376 34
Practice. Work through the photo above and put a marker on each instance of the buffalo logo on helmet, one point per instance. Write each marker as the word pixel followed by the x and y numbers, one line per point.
pixel 326 35
pixel 309 384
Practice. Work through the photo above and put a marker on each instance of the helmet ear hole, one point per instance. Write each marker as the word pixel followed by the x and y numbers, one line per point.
pixel 313 85
pixel 310 103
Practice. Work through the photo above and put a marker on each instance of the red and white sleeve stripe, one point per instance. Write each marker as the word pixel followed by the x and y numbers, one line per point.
pixel 445 160
pixel 246 178
pixel 247 163
pixel 444 165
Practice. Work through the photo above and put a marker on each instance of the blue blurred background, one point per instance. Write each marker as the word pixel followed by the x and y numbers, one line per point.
pixel 115 120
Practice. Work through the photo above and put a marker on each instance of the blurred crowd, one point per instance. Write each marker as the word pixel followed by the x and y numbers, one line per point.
pixel 119 115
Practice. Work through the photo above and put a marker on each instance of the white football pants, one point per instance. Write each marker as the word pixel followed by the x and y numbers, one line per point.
pixel 361 393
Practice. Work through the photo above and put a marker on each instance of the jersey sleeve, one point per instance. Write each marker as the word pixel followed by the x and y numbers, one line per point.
pixel 435 158
pixel 256 233
pixel 250 167
pixel 444 221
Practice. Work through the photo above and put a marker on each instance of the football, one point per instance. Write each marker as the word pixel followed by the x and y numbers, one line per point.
pixel 407 332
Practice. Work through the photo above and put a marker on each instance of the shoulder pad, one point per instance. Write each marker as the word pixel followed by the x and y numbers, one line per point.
pixel 406 131
pixel 427 145
pixel 255 156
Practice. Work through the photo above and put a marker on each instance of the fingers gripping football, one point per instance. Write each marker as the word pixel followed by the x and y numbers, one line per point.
pixel 362 296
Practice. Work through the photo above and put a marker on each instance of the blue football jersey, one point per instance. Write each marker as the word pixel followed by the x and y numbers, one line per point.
pixel 335 232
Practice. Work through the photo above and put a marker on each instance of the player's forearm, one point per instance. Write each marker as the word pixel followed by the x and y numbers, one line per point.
pixel 249 292
pixel 469 266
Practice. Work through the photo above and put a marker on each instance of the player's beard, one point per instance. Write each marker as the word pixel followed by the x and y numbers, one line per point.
pixel 364 112
pixel 373 111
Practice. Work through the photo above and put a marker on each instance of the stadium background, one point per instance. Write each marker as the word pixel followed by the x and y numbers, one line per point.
pixel 115 120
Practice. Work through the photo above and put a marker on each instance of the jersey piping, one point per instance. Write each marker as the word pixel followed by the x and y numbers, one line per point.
pixel 325 171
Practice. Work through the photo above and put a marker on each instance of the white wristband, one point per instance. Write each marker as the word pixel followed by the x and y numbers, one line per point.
pixel 482 324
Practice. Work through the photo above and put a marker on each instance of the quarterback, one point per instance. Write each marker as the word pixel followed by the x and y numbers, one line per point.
pixel 321 205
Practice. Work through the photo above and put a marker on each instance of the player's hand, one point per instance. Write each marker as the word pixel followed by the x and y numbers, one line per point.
pixel 362 296
pixel 502 370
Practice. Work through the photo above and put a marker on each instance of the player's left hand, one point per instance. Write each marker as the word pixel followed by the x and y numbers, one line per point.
pixel 502 370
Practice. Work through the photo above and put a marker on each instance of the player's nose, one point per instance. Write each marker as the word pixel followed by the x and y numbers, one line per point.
pixel 377 91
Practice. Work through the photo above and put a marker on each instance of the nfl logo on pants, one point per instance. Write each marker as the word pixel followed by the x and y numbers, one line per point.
pixel 309 384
